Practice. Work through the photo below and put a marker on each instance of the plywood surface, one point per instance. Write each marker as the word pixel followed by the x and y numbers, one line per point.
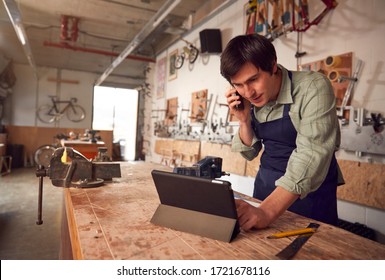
pixel 231 162
pixel 364 183
pixel 113 222
pixel 178 152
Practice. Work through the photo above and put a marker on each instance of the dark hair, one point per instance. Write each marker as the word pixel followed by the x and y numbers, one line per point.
pixel 252 48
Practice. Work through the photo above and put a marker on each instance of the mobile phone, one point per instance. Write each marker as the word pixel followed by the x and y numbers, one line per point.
pixel 239 106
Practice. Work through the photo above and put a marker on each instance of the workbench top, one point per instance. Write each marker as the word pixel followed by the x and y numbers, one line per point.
pixel 113 222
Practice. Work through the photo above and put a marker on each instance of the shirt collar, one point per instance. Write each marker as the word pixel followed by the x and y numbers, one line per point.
pixel 285 95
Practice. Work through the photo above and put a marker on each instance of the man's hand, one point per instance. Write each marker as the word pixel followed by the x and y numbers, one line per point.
pixel 249 216
pixel 233 100
pixel 268 211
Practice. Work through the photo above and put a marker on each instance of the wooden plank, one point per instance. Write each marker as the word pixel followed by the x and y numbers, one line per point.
pixel 364 183
pixel 232 162
pixel 32 137
pixel 252 166
pixel 72 229
pixel 178 152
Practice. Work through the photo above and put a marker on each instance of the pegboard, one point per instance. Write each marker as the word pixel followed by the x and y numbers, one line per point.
pixel 199 106
pixel 334 67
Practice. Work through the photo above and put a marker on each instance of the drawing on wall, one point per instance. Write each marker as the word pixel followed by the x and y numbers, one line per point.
pixel 172 72
pixel 161 77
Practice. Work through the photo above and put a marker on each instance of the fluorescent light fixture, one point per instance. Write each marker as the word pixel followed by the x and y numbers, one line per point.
pixel 20 33
pixel 165 13
pixel 15 17
pixel 167 7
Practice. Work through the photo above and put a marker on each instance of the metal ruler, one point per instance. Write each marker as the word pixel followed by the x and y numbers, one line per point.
pixel 297 244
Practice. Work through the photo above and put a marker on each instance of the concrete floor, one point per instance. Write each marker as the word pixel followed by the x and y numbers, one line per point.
pixel 20 237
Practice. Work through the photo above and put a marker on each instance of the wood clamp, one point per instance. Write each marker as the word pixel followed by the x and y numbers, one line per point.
pixel 79 172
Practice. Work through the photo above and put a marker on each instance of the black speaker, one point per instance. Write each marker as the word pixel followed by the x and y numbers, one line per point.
pixel 211 41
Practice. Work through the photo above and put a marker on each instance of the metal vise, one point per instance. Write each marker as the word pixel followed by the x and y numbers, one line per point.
pixel 209 167
pixel 79 172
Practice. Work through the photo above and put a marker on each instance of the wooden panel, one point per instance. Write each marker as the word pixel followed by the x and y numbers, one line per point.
pixel 177 152
pixel 252 167
pixel 232 162
pixel 171 111
pixel 32 137
pixel 199 105
pixel 365 183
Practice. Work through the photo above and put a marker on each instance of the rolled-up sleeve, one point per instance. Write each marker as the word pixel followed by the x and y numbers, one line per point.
pixel 248 152
pixel 317 128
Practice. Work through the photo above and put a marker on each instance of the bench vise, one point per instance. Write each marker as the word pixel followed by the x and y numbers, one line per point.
pixel 208 167
pixel 78 172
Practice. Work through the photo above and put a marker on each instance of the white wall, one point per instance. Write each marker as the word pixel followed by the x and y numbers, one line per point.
pixel 29 93
pixel 354 26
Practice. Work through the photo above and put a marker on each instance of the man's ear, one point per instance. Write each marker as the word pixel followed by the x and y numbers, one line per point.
pixel 275 67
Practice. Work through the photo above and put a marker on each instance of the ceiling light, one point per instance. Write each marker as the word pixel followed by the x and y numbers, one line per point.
pixel 20 33
pixel 15 17
pixel 167 7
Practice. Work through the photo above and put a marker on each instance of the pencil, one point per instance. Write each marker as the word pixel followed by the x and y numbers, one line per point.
pixel 291 233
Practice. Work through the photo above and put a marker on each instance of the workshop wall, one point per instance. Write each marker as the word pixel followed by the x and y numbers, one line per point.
pixel 353 26
pixel 30 94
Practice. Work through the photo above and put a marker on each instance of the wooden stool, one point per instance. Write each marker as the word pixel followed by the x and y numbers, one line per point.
pixel 5 163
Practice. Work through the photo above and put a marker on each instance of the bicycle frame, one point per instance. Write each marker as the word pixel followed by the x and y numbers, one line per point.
pixel 49 113
pixel 55 108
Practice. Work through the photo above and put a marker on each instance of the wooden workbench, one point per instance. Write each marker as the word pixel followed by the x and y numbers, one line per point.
pixel 86 148
pixel 113 222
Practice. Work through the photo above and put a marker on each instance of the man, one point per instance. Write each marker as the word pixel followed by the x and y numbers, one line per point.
pixel 292 116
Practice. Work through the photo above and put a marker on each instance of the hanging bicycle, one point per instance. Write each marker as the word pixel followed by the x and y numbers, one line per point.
pixel 52 113
pixel 190 52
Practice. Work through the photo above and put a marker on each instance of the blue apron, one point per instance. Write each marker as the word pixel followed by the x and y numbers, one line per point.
pixel 279 139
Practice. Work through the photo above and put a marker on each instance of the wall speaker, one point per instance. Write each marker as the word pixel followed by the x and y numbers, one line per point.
pixel 211 41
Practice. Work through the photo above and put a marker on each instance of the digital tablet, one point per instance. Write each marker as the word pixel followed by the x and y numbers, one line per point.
pixel 209 200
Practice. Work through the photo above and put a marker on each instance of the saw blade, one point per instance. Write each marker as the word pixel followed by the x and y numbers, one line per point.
pixel 292 249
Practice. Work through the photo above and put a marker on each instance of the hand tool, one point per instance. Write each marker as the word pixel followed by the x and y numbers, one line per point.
pixel 289 252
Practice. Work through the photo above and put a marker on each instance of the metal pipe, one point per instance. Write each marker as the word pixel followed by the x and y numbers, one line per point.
pixel 40 172
pixel 167 7
pixel 102 52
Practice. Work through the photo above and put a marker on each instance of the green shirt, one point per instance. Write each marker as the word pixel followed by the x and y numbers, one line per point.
pixel 313 114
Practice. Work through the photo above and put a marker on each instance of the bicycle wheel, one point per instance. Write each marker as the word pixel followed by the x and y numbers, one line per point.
pixel 194 52
pixel 76 113
pixel 44 114
pixel 43 155
pixel 179 60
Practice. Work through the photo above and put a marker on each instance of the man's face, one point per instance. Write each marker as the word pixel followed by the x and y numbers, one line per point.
pixel 258 87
